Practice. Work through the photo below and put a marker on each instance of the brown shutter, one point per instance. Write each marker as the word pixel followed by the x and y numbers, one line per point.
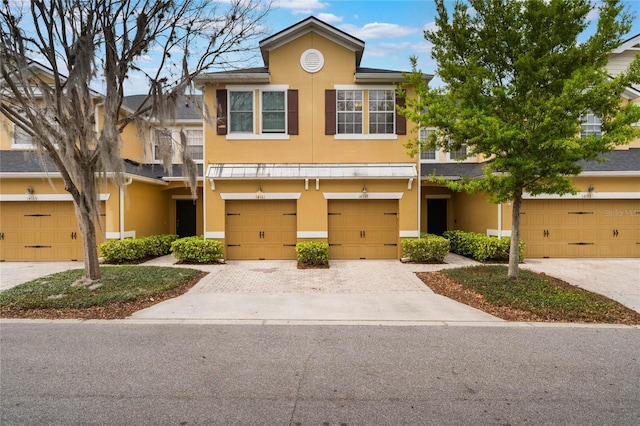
pixel 329 112
pixel 401 120
pixel 292 111
pixel 221 111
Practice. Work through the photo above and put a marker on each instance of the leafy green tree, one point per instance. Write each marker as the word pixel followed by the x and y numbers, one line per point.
pixel 517 79
pixel 81 42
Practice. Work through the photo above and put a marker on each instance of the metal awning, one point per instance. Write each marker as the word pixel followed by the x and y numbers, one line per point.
pixel 312 171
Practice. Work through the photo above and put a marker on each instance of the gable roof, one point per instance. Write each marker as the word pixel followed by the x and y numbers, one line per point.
pixel 311 24
pixel 632 43
pixel 186 110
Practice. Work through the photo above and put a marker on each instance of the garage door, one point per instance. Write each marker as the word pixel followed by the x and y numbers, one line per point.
pixel 581 228
pixel 39 231
pixel 261 229
pixel 363 229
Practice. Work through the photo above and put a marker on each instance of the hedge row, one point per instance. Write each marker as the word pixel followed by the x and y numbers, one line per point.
pixel 135 249
pixel 480 247
pixel 427 248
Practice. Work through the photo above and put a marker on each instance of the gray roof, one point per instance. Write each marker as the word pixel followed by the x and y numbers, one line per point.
pixel 186 108
pixel 614 161
pixel 27 162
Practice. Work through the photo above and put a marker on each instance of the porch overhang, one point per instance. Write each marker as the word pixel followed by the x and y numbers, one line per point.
pixel 311 171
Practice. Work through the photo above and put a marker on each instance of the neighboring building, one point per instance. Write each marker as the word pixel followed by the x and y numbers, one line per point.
pixel 309 147
pixel 37 216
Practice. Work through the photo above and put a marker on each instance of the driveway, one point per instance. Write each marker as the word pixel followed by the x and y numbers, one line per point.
pixel 361 291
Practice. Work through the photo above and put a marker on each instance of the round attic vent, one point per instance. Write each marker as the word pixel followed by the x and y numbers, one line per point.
pixel 311 60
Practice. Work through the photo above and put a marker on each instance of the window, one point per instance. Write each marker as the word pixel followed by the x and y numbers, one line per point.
pixel 241 112
pixel 273 112
pixel 21 138
pixel 382 108
pixel 426 153
pixel 458 154
pixel 591 125
pixel 162 145
pixel 194 144
pixel 349 111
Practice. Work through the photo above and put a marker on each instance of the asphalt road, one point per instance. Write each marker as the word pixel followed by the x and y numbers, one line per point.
pixel 110 373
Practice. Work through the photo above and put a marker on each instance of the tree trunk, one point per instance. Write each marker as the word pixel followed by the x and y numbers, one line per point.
pixel 514 248
pixel 88 231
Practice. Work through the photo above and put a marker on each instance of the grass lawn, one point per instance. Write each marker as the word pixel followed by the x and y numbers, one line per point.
pixel 121 291
pixel 532 297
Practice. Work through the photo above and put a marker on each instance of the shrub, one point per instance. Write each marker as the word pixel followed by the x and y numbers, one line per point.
pixel 481 247
pixel 427 248
pixel 134 249
pixel 313 253
pixel 159 245
pixel 197 249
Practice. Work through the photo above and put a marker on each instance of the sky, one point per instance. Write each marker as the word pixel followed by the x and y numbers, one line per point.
pixel 392 30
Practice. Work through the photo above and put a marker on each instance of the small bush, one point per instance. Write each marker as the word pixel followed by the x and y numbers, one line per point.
pixel 197 249
pixel 427 248
pixel 313 253
pixel 481 247
pixel 134 249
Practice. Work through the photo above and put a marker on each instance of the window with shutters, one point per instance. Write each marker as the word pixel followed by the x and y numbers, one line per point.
pixel 257 112
pixel 361 112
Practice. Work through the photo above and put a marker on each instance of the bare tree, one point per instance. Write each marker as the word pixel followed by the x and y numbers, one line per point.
pixel 105 42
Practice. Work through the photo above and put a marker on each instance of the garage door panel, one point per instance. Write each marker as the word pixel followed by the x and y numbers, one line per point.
pixel 261 229
pixel 581 228
pixel 363 229
pixel 40 231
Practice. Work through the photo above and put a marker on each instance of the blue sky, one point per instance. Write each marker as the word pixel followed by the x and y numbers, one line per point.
pixel 392 30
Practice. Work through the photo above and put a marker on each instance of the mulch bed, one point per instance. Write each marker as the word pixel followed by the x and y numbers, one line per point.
pixel 117 310
pixel 445 286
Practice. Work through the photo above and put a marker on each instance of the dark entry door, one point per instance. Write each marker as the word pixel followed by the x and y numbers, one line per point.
pixel 436 216
pixel 185 218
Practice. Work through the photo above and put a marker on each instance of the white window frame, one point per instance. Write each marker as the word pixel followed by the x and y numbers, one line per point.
pixel 253 112
pixel 354 111
pixel 154 158
pixel 422 136
pixel 17 130
pixel 257 90
pixel 588 122
pixel 284 113
pixel 457 159
pixel 364 136
pixel 371 113
pixel 200 144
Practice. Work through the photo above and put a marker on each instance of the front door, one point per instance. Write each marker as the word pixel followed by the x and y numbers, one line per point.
pixel 185 218
pixel 436 216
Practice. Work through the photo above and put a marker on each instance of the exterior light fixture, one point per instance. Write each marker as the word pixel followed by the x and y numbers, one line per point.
pixel 364 194
pixel 259 193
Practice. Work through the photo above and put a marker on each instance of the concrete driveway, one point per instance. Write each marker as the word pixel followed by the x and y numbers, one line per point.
pixel 362 291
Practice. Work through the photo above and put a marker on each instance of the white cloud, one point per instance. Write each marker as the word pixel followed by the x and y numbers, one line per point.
pixel 299 7
pixel 430 26
pixel 329 17
pixel 378 30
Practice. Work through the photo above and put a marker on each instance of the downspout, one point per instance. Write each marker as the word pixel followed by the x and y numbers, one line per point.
pixel 499 221
pixel 126 183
